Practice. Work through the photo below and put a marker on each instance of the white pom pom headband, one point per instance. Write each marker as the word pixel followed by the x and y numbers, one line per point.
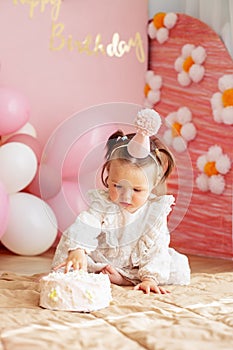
pixel 147 123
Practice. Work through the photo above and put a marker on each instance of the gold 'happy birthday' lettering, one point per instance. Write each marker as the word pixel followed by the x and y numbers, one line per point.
pixel 94 46
pixel 41 6
pixel 90 45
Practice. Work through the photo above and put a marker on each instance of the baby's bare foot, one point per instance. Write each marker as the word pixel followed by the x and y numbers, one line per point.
pixel 115 277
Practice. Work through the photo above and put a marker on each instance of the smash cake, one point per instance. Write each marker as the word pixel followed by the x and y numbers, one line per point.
pixel 75 291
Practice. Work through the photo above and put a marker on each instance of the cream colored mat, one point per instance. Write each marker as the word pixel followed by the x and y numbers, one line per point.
pixel 195 317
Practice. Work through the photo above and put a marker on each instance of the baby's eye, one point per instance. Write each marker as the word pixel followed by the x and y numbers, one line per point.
pixel 117 186
pixel 136 190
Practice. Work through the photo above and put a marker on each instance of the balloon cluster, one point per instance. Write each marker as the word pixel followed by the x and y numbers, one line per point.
pixel 28 225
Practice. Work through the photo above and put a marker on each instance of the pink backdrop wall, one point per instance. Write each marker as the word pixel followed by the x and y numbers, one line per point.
pixel 58 54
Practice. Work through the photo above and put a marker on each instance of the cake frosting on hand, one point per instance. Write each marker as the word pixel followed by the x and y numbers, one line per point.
pixel 75 291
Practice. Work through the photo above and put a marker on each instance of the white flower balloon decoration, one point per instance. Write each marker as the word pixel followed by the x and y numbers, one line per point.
pixel 160 26
pixel 190 64
pixel 213 165
pixel 152 89
pixel 222 101
pixel 180 130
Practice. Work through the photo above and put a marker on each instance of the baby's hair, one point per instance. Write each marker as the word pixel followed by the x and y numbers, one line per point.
pixel 116 150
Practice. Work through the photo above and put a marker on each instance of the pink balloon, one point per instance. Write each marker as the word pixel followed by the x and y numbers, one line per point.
pixel 46 183
pixel 4 209
pixel 67 204
pixel 88 145
pixel 83 136
pixel 76 153
pixel 28 140
pixel 14 110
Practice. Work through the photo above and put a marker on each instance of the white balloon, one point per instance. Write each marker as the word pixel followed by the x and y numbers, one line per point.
pixel 18 166
pixel 32 225
pixel 27 129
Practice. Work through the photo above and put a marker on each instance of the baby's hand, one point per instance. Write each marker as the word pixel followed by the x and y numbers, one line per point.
pixel 76 259
pixel 149 285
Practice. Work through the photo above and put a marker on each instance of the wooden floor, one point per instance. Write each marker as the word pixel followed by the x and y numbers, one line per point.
pixel 28 265
pixel 25 265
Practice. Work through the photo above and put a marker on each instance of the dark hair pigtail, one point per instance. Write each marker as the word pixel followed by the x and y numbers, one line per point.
pixel 163 156
pixel 112 142
pixel 110 145
pixel 170 163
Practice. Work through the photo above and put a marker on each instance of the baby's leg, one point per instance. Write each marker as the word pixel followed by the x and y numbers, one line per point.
pixel 180 270
pixel 115 277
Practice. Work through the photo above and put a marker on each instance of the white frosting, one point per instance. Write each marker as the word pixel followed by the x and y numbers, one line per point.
pixel 75 291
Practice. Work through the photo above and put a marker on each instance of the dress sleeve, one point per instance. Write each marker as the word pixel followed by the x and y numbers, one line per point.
pixel 152 251
pixel 82 233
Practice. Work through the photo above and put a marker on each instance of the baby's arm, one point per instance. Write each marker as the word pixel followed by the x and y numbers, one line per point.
pixel 79 237
pixel 76 259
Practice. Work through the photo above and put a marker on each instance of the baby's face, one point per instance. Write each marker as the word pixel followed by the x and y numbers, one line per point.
pixel 129 186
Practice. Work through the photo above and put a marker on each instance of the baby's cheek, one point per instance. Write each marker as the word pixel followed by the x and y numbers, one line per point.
pixel 113 195
pixel 142 198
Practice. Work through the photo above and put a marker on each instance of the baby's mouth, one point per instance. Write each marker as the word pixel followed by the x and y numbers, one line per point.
pixel 125 204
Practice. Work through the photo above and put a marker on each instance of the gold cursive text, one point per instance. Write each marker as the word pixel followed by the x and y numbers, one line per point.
pixel 41 6
pixel 93 45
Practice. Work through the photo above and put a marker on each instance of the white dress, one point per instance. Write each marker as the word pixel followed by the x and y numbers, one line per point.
pixel 135 244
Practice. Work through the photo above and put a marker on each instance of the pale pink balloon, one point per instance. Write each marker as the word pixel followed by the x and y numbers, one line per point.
pixel 4 209
pixel 82 137
pixel 67 204
pixel 46 183
pixel 33 187
pixel 14 110
pixel 28 140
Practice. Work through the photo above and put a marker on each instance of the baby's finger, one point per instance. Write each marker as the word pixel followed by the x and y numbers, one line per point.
pixel 160 290
pixel 83 266
pixel 55 268
pixel 76 265
pixel 69 264
pixel 157 290
pixel 137 287
pixel 164 291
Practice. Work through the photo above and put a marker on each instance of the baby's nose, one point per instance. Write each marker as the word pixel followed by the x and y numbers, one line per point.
pixel 126 195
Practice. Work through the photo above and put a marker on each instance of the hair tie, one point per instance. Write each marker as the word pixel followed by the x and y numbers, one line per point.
pixel 147 122
pixel 121 138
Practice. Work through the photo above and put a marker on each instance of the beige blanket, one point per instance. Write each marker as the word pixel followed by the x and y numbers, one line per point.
pixel 198 317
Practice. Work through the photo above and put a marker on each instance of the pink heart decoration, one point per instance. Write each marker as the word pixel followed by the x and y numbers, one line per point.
pixel 201 222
